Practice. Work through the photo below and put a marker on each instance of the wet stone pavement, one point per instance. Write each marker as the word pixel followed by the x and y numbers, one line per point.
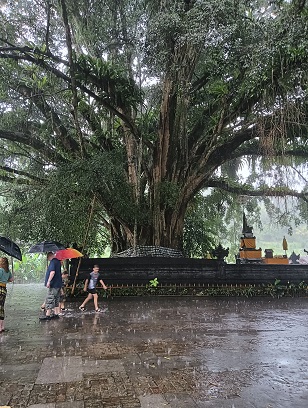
pixel 155 352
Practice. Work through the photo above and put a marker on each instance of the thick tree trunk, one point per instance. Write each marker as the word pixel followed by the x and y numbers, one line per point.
pixel 167 231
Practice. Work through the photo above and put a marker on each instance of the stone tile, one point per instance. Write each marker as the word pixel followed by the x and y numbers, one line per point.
pixel 102 366
pixel 232 403
pixel 60 369
pixel 42 406
pixel 70 404
pixel 5 396
pixel 132 359
pixel 20 372
pixel 151 401
pixel 180 401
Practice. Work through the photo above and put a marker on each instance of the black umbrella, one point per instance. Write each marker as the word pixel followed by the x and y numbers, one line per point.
pixel 46 246
pixel 10 248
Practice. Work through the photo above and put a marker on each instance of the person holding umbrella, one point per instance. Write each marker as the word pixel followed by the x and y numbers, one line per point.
pixel 53 282
pixel 5 276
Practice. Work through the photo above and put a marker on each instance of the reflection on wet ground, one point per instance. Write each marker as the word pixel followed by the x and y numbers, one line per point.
pixel 155 352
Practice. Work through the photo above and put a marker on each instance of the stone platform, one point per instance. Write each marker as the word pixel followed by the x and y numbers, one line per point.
pixel 155 352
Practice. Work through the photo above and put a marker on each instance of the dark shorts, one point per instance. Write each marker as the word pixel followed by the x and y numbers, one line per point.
pixel 92 291
pixel 53 298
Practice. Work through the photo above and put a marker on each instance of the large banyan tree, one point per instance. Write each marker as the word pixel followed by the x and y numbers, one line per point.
pixel 138 105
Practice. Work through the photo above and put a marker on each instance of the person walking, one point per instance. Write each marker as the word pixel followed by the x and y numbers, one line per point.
pixel 5 277
pixel 53 282
pixel 90 287
pixel 62 299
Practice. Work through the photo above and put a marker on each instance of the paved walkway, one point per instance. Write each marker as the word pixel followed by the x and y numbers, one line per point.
pixel 155 352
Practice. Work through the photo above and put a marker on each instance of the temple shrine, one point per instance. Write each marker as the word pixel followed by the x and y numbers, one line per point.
pixel 249 253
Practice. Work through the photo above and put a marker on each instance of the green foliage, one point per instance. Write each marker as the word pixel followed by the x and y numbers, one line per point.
pixel 212 219
pixel 158 96
pixel 110 78
pixel 274 290
pixel 153 283
pixel 32 268
pixel 201 224
pixel 169 193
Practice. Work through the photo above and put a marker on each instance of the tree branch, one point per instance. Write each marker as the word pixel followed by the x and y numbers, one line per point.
pixel 27 139
pixel 38 98
pixel 14 180
pixel 48 27
pixel 59 74
pixel 265 191
pixel 21 173
pixel 73 77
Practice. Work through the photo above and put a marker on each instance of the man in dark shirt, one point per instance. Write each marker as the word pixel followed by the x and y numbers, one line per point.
pixel 53 281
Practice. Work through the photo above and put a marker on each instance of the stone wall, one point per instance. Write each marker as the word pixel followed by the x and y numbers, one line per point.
pixel 139 270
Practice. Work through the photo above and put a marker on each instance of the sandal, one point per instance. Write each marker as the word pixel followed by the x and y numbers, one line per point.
pixel 81 308
pixel 98 310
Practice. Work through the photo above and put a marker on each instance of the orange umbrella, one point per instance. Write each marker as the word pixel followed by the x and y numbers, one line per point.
pixel 68 253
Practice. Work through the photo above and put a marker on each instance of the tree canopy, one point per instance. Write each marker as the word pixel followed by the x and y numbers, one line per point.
pixel 131 108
